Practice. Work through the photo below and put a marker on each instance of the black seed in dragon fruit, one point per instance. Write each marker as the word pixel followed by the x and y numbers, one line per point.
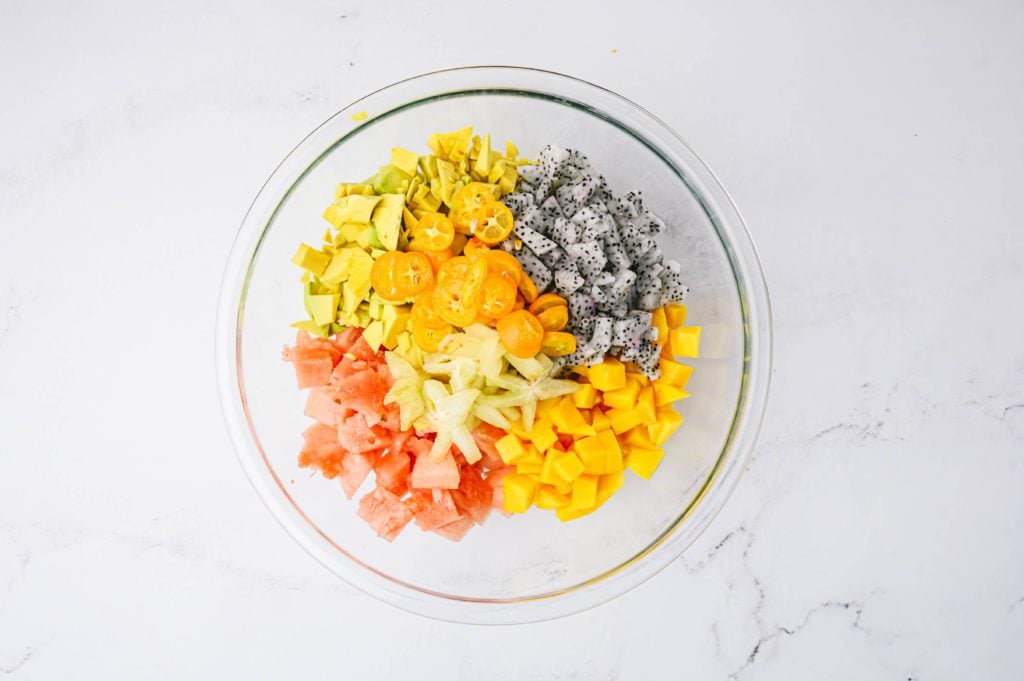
pixel 518 202
pixel 601 339
pixel 564 232
pixel 572 197
pixel 567 279
pixel 650 223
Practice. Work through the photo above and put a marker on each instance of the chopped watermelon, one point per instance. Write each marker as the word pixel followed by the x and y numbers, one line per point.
pixel 305 340
pixel 392 471
pixel 474 495
pixel 321 405
pixel 360 349
pixel 363 391
pixel 322 450
pixel 485 436
pixel 354 469
pixel 432 508
pixel 456 530
pixel 494 478
pixel 384 512
pixel 313 365
pixel 428 473
pixel 355 436
pixel 344 340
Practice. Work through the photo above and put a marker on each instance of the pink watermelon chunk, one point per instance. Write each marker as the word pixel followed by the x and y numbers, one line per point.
pixel 322 450
pixel 456 530
pixel 321 406
pixel 432 508
pixel 355 436
pixel 384 512
pixel 441 474
pixel 474 495
pixel 354 469
pixel 361 350
pixel 313 365
pixel 363 391
pixel 305 340
pixel 494 478
pixel 393 470
pixel 485 436
pixel 344 340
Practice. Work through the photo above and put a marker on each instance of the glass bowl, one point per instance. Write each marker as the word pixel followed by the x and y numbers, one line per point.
pixel 529 567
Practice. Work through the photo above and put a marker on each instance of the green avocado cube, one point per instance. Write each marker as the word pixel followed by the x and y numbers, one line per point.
pixel 311 260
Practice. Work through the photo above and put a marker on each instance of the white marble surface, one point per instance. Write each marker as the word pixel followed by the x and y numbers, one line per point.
pixel 877 152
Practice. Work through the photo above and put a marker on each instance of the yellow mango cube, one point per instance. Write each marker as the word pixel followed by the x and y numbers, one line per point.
pixel 643 461
pixel 519 492
pixel 545 407
pixel 607 485
pixel 585 396
pixel 584 491
pixel 531 469
pixel 675 314
pixel 625 419
pixel 666 393
pixel 572 512
pixel 564 488
pixel 623 398
pixel 608 375
pixel 660 322
pixel 674 373
pixel 645 407
pixel 542 435
pixel 591 453
pixel 510 448
pixel 685 341
pixel 550 498
pixel 568 419
pixel 600 421
pixel 638 437
pixel 669 421
pixel 548 475
pixel 567 466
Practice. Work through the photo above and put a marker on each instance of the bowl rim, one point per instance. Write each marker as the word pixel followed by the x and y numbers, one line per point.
pixel 754 303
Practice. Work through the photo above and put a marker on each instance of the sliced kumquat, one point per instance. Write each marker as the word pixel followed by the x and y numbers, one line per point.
pixel 554 318
pixel 558 344
pixel 505 264
pixel 546 301
pixel 497 296
pixel 521 333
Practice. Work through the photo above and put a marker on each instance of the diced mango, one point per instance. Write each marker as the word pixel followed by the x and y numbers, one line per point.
pixel 644 461
pixel 608 375
pixel 666 393
pixel 624 419
pixel 685 341
pixel 542 435
pixel 548 476
pixel 674 373
pixel 675 315
pixel 600 421
pixel 638 437
pixel 564 487
pixel 519 492
pixel 585 396
pixel 660 322
pixel 612 451
pixel 581 370
pixel 623 398
pixel 607 485
pixel 531 469
pixel 546 407
pixel 584 491
pixel 550 498
pixel 510 448
pixel 311 260
pixel 636 375
pixel 669 421
pixel 590 451
pixel 645 406
pixel 568 419
pixel 567 466
pixel 532 455
pixel 572 512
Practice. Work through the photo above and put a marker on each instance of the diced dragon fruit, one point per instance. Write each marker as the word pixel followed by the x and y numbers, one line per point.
pixel 537 242
pixel 533 267
pixel 588 256
pixel 568 280
pixel 564 232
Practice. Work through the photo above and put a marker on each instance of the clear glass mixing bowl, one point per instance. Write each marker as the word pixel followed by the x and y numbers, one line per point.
pixel 530 567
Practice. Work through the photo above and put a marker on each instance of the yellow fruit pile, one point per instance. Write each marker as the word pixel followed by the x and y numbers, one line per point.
pixel 574 457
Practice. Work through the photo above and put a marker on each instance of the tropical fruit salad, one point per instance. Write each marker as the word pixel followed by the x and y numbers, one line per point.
pixel 485 333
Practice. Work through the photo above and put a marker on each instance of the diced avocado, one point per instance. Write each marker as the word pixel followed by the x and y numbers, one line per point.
pixel 359 273
pixel 374 334
pixel 387 219
pixel 309 326
pixel 405 160
pixel 482 166
pixel 363 238
pixel 389 179
pixel 349 298
pixel 375 308
pixel 340 267
pixel 363 318
pixel 323 307
pixel 348 232
pixel 351 208
pixel 349 188
pixel 447 177
pixel 311 260
pixel 394 319
pixel 373 237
